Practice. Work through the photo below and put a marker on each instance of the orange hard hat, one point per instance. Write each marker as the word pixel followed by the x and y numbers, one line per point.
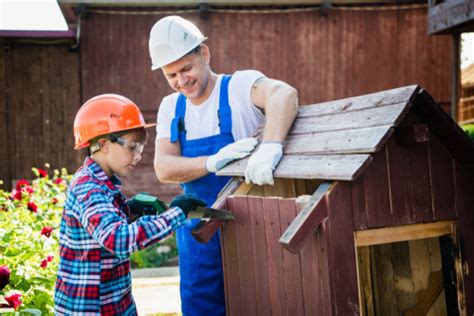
pixel 106 114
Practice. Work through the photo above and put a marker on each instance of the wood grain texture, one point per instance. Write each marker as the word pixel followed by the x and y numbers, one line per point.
pixel 307 221
pixel 330 167
pixel 341 251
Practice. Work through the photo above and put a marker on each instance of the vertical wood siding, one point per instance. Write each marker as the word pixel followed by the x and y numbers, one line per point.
pixel 39 97
pixel 405 184
pixel 261 278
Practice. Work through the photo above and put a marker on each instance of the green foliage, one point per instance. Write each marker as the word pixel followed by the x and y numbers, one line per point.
pixel 469 129
pixel 155 255
pixel 29 225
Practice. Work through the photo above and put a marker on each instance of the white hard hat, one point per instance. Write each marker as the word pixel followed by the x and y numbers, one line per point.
pixel 171 38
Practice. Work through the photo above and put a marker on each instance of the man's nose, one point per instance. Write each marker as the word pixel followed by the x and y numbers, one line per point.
pixel 182 79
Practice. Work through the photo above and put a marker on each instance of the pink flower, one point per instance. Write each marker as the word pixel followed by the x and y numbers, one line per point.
pixel 44 263
pixel 32 207
pixel 58 181
pixel 21 183
pixel 4 277
pixel 29 190
pixel 16 195
pixel 14 300
pixel 49 258
pixel 46 231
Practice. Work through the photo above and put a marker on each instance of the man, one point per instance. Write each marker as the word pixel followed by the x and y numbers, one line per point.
pixel 203 127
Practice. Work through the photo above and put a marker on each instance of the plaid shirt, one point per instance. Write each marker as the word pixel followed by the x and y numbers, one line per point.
pixel 96 243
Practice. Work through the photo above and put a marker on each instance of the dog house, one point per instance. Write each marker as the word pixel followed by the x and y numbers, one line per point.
pixel 372 213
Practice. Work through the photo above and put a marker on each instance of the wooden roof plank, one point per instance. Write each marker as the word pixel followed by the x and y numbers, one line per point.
pixel 393 96
pixel 355 141
pixel 334 167
pixel 368 117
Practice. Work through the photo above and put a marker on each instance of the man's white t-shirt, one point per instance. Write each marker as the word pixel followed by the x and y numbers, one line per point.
pixel 202 121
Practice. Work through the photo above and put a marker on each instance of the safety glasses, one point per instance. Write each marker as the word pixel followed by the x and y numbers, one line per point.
pixel 134 147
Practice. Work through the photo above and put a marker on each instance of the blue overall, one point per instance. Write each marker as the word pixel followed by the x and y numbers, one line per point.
pixel 200 265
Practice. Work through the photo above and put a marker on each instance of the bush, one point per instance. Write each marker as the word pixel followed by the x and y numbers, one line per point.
pixel 29 225
pixel 156 255
pixel 469 129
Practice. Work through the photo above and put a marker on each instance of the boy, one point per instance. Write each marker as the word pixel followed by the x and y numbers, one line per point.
pixel 95 238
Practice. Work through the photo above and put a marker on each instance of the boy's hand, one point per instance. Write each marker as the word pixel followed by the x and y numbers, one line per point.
pixel 145 204
pixel 187 203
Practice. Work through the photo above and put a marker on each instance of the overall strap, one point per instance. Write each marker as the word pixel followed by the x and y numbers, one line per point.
pixel 224 113
pixel 177 124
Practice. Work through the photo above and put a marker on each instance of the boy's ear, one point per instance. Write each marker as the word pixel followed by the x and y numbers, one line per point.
pixel 103 145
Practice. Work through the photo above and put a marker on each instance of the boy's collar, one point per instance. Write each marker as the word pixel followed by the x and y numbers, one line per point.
pixel 99 173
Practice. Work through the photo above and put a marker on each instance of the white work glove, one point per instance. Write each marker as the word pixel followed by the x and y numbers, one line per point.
pixel 237 150
pixel 262 163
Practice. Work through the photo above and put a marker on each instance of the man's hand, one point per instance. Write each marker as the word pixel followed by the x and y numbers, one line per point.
pixel 262 163
pixel 187 203
pixel 231 152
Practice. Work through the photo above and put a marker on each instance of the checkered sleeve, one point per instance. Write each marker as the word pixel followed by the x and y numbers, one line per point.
pixel 107 225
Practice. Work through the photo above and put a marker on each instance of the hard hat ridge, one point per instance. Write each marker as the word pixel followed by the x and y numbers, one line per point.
pixel 171 38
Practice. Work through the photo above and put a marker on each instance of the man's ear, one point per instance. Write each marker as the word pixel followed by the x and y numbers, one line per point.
pixel 206 53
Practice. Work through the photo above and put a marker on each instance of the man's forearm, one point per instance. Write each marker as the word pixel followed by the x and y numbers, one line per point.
pixel 280 112
pixel 176 169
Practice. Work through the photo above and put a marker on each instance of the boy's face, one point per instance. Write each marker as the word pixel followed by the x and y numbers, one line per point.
pixel 123 155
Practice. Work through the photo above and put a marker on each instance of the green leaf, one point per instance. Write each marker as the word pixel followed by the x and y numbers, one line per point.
pixel 31 311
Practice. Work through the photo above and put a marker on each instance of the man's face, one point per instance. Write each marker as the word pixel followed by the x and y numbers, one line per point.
pixel 190 75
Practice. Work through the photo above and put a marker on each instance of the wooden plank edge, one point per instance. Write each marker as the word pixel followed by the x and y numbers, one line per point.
pixel 204 230
pixel 386 235
pixel 307 221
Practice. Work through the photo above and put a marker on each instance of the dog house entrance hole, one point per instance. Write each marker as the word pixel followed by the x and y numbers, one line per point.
pixel 408 270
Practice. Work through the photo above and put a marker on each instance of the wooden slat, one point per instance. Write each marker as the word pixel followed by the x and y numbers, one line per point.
pixel 464 200
pixel 450 15
pixel 259 256
pixel 5 153
pixel 291 263
pixel 245 252
pixel 326 268
pixel 427 297
pixel 358 203
pixel 420 178
pixel 402 233
pixel 331 167
pixel 311 274
pixel 399 177
pixel 388 97
pixel 231 263
pixel 377 194
pixel 343 273
pixel 307 221
pixel 369 117
pixel 442 181
pixel 356 141
pixel 275 256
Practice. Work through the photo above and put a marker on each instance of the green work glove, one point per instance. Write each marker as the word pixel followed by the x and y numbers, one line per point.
pixel 145 204
pixel 187 203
